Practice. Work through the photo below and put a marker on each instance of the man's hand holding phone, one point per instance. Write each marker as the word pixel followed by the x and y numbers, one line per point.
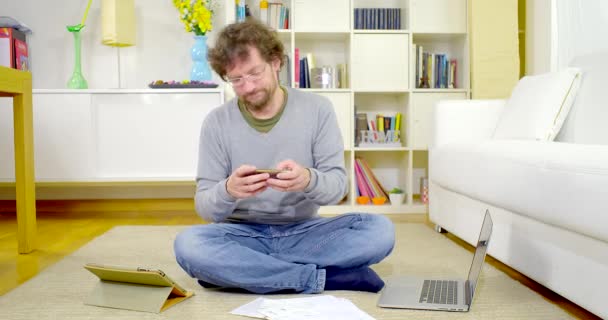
pixel 272 173
pixel 293 177
pixel 244 182
pixel 247 181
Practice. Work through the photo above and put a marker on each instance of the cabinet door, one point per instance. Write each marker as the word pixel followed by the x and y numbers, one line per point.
pixel 342 107
pixel 63 138
pixel 380 62
pixel 422 115
pixel 439 16
pixel 150 135
pixel 321 15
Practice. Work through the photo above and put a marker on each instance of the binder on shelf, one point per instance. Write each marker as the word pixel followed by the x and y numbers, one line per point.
pixel 368 184
pixel 362 185
pixel 296 58
pixel 378 188
pixel 377 18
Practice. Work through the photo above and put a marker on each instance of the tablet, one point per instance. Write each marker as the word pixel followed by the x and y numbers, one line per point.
pixel 153 277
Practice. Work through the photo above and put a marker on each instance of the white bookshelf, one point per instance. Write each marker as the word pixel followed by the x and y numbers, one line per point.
pixel 381 79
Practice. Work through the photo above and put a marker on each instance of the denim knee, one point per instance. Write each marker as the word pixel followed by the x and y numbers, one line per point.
pixel 384 233
pixel 183 248
pixel 189 252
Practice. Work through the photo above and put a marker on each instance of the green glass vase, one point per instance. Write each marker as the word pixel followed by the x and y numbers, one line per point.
pixel 77 81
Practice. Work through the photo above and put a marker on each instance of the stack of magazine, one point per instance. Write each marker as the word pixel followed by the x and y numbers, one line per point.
pixel 13 45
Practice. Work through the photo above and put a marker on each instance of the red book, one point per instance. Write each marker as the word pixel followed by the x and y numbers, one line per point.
pixel 21 57
pixel 297 66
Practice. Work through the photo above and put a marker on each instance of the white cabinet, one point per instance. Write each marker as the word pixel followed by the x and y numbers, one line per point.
pixel 380 62
pixel 63 138
pixel 113 135
pixel 148 134
pixel 343 108
pixel 64 147
pixel 321 15
pixel 439 16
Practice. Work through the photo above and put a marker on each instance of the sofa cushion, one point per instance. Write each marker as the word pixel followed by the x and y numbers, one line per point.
pixel 561 184
pixel 538 106
pixel 586 122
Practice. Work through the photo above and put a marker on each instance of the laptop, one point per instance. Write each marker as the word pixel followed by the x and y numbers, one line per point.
pixel 439 294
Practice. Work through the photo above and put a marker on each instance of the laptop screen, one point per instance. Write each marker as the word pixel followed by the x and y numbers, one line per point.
pixel 479 257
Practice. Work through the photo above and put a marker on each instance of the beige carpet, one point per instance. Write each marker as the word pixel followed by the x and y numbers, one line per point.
pixel 58 292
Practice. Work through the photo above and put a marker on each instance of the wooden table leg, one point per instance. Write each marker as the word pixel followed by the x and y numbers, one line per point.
pixel 24 170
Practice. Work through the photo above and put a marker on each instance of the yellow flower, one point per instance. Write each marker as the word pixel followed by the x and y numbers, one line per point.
pixel 196 15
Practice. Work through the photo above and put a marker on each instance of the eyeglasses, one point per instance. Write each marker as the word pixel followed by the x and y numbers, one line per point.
pixel 240 81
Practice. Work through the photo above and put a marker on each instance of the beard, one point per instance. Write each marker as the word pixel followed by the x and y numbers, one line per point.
pixel 257 100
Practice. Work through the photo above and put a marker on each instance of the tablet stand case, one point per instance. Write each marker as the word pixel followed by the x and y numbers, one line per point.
pixel 135 296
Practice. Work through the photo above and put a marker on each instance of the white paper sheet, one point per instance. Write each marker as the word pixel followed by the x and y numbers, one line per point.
pixel 318 307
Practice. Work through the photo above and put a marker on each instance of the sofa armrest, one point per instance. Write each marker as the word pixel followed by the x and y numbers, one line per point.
pixel 465 120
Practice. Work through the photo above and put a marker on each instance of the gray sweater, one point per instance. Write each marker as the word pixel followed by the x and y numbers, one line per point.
pixel 307 133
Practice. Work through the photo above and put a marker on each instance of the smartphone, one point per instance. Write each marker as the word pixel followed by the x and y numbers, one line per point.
pixel 273 172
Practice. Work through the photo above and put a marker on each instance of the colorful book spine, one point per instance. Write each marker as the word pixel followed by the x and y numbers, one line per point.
pixel 364 189
pixel 297 67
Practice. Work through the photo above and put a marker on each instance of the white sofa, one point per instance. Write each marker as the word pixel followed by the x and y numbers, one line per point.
pixel 548 200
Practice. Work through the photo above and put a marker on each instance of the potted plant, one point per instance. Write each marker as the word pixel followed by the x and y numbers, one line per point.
pixel 396 196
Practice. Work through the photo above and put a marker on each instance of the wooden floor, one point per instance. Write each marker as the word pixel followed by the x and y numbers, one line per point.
pixel 63 227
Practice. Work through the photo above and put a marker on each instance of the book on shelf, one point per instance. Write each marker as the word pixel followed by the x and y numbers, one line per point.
pixel 285 73
pixel 360 125
pixel 304 76
pixel 296 58
pixel 342 76
pixel 310 64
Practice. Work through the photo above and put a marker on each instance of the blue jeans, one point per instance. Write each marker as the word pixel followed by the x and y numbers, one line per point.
pixel 263 258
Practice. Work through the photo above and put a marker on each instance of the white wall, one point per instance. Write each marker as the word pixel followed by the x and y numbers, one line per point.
pixel 162 50
pixel 539 36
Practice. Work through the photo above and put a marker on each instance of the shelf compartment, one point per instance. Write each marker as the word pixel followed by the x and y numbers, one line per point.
pixel 420 170
pixel 326 50
pixel 387 104
pixel 454 46
pixel 389 168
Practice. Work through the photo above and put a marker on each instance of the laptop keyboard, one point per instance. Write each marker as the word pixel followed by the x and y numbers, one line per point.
pixel 439 292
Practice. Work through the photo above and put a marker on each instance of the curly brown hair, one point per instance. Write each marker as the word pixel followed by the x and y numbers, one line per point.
pixel 235 39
